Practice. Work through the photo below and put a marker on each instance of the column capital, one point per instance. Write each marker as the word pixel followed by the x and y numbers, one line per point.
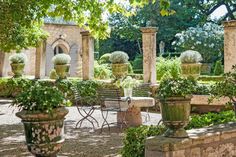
pixel 85 33
pixel 149 29
pixel 231 23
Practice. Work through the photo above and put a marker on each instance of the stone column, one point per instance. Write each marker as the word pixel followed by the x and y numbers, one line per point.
pixel 149 54
pixel 4 64
pixel 40 63
pixel 229 45
pixel 87 56
pixel 2 59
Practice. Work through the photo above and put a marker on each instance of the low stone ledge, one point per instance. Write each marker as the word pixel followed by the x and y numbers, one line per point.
pixel 219 140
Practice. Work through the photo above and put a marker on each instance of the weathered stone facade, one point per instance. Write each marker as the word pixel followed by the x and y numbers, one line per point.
pixel 64 38
pixel 215 141
pixel 229 45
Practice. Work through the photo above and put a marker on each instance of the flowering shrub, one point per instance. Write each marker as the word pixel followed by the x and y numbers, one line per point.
pixel 190 56
pixel 208 40
pixel 61 59
pixel 119 57
pixel 18 58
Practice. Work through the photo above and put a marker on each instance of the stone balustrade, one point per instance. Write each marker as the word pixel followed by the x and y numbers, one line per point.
pixel 215 141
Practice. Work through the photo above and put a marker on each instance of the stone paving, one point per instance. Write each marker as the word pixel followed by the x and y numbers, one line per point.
pixel 83 142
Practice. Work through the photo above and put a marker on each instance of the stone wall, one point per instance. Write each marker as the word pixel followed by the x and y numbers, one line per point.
pixel 215 141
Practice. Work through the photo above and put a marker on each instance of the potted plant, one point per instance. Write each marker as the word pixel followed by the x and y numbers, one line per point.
pixel 119 64
pixel 61 64
pixel 128 84
pixel 190 63
pixel 175 96
pixel 42 113
pixel 17 62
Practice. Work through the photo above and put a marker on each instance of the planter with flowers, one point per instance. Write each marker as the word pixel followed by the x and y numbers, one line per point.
pixel 175 96
pixel 119 64
pixel 42 113
pixel 190 63
pixel 17 62
pixel 62 65
pixel 128 84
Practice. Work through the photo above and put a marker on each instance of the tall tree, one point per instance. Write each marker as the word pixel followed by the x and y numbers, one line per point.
pixel 20 21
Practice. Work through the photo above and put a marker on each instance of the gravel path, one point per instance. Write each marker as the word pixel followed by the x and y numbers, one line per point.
pixel 83 142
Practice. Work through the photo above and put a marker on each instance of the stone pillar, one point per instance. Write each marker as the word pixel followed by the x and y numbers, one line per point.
pixel 2 59
pixel 149 54
pixel 87 56
pixel 40 63
pixel 229 45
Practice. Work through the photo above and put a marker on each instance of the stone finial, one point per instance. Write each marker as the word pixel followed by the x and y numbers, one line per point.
pixel 149 29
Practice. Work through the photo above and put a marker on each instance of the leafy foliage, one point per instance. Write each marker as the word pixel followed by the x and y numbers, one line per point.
pixel 170 67
pixel 21 29
pixel 105 58
pixel 61 59
pixel 18 58
pixel 135 138
pixel 202 89
pixel 219 69
pixel 40 98
pixel 176 87
pixel 138 64
pixel 206 39
pixel 118 57
pixel 102 71
pixel 129 82
pixel 190 56
pixel 225 88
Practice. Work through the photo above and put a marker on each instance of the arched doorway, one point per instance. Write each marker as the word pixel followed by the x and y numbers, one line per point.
pixel 60 49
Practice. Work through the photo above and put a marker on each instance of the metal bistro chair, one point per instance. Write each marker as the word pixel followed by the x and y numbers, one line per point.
pixel 111 101
pixel 143 90
pixel 84 110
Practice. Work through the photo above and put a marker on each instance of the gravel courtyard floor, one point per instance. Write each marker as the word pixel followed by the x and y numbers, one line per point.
pixel 83 142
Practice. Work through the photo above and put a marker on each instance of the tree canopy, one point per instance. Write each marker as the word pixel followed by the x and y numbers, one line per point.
pixel 20 21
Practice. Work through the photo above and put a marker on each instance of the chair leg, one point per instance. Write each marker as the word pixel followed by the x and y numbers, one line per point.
pixel 105 122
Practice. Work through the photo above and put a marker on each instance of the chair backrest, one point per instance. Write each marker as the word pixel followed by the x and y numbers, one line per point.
pixel 142 90
pixel 106 93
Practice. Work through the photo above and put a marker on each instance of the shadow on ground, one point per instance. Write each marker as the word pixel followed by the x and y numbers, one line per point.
pixel 81 142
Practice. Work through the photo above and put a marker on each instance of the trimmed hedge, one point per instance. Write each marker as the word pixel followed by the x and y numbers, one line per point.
pixel 134 140
pixel 210 78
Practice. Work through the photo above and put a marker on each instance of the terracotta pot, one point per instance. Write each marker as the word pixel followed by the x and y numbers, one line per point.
pixel 62 70
pixel 17 69
pixel 175 115
pixel 120 70
pixel 43 131
pixel 191 69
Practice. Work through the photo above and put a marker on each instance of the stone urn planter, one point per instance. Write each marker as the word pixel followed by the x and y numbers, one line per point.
pixel 120 70
pixel 190 63
pixel 17 62
pixel 62 70
pixel 175 96
pixel 175 115
pixel 42 112
pixel 17 69
pixel 119 64
pixel 62 65
pixel 193 69
pixel 44 132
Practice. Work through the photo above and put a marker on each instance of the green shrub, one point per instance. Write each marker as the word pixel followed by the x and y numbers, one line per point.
pixel 105 59
pixel 170 66
pixel 219 69
pixel 130 68
pixel 202 89
pixel 138 64
pixel 102 71
pixel 210 78
pixel 118 57
pixel 134 140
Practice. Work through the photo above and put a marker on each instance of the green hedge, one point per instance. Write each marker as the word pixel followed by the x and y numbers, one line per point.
pixel 210 78
pixel 134 140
